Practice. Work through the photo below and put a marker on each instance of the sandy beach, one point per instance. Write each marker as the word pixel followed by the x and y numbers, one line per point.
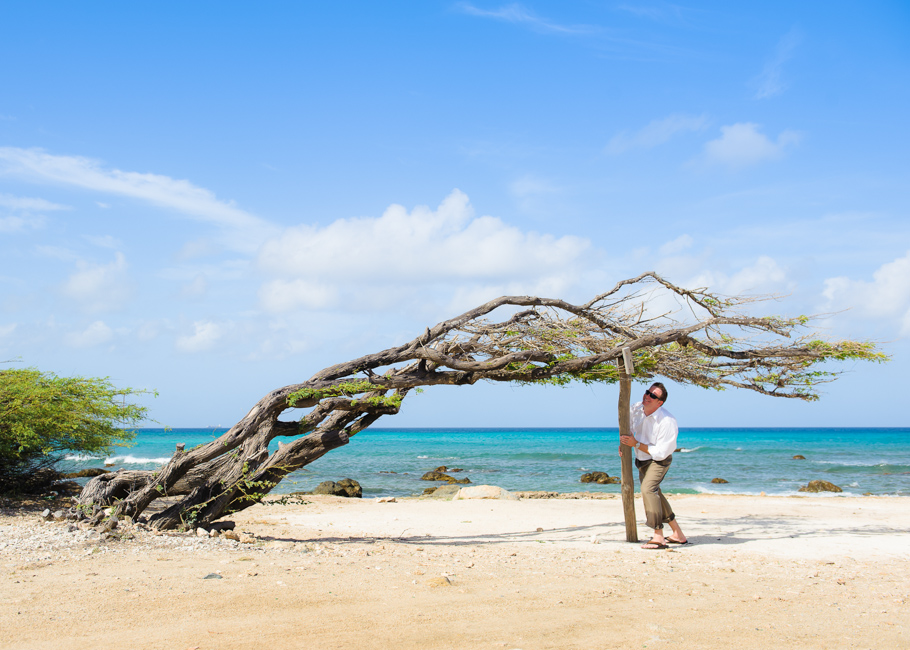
pixel 794 572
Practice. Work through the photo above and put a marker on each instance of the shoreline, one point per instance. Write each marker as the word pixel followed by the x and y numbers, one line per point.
pixel 429 573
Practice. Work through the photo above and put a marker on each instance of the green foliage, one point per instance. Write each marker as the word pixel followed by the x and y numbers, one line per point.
pixel 344 389
pixel 42 416
pixel 348 389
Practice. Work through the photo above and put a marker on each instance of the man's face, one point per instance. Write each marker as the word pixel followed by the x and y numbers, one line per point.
pixel 656 392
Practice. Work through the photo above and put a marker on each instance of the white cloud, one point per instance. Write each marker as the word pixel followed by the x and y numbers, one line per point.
pixel 99 287
pixel 148 331
pixel 885 298
pixel 517 14
pixel 196 288
pixel 28 204
pixel 661 14
pixel 655 133
pixel 676 246
pixel 179 195
pixel 205 335
pixel 95 334
pixel 24 212
pixel 383 260
pixel 741 144
pixel 57 253
pixel 769 82
pixel 104 241
pixel 18 224
pixel 762 277
pixel 528 186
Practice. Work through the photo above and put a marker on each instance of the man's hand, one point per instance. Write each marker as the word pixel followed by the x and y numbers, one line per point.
pixel 627 441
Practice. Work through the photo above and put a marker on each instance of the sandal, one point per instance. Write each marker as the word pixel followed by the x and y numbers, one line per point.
pixel 654 546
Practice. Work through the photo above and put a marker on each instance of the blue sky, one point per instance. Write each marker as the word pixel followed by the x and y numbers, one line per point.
pixel 215 199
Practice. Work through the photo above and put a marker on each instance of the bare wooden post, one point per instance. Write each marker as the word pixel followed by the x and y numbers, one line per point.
pixel 625 429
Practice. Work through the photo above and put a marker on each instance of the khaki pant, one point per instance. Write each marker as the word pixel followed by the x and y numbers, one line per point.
pixel 657 508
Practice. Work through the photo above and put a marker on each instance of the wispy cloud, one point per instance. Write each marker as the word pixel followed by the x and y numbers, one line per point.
pixel 24 212
pixel 179 195
pixel 99 287
pixel 517 14
pixel 29 204
pixel 658 13
pixel 769 82
pixel 655 133
pixel 742 144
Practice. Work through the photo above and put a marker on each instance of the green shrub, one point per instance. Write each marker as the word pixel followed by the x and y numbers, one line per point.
pixel 43 417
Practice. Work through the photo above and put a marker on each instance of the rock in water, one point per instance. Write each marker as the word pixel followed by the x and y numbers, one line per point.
pixel 719 480
pixel 820 486
pixel 799 457
pixel 598 477
pixel 436 475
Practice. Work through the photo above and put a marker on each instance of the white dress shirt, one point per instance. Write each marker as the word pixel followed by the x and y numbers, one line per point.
pixel 658 431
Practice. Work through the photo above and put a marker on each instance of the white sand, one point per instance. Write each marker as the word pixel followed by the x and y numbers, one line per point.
pixel 762 572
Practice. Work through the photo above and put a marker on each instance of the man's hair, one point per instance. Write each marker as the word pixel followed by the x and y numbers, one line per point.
pixel 663 391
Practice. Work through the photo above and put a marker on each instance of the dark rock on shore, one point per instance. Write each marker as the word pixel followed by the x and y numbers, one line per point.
pixel 719 480
pixel 820 486
pixel 436 475
pixel 599 477
pixel 344 488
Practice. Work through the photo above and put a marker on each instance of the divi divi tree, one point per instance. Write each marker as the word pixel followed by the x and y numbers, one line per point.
pixel 689 336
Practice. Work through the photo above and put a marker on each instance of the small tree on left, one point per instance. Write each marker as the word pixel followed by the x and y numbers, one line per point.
pixel 43 417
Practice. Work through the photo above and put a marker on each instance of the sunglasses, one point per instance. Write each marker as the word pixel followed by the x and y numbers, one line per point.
pixel 652 395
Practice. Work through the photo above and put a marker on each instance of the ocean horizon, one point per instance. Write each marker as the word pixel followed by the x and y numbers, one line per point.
pixel 390 461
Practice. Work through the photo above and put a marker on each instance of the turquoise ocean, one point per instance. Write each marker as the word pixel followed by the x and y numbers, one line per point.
pixel 390 462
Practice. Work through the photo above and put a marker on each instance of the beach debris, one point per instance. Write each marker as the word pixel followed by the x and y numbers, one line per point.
pixel 347 487
pixel 594 539
pixel 213 576
pixel 799 457
pixel 820 486
pixel 601 478
pixel 719 480
pixel 439 476
pixel 485 492
pixel 202 532
pixel 386 500
pixel 539 529
pixel 46 515
pixel 441 581
pixel 230 534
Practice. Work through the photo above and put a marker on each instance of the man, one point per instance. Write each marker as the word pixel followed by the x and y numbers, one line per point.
pixel 653 439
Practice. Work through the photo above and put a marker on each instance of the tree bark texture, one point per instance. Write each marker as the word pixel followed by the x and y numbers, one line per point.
pixel 627 477
pixel 704 340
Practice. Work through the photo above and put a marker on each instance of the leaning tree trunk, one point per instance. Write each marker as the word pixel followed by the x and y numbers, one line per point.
pixel 544 340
